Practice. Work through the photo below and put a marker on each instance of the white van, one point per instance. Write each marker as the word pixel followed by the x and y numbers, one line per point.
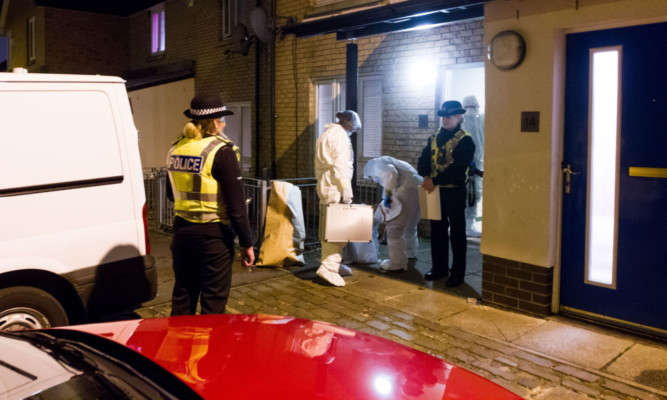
pixel 73 233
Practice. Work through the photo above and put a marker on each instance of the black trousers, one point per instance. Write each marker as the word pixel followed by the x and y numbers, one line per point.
pixel 202 261
pixel 452 208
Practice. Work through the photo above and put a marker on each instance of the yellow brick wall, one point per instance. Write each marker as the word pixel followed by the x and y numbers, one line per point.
pixel 301 60
pixel 195 33
pixel 17 22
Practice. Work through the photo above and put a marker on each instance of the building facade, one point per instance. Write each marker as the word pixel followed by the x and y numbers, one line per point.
pixel 548 243
pixel 539 239
pixel 167 53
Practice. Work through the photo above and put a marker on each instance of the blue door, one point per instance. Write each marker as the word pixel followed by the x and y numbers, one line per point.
pixel 614 216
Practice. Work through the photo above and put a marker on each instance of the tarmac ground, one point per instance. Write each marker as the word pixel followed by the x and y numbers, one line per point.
pixel 536 358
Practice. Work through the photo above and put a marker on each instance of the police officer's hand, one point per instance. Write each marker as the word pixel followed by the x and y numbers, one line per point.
pixel 428 184
pixel 248 256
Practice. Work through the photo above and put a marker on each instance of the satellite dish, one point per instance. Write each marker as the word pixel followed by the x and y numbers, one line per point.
pixel 259 24
pixel 241 40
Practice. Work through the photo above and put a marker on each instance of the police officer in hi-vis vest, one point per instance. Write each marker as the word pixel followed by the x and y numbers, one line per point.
pixel 444 164
pixel 210 210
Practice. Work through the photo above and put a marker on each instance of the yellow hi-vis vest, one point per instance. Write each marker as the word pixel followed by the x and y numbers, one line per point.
pixel 446 159
pixel 189 164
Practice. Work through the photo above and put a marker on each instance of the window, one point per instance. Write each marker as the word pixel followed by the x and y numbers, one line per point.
pixel 604 144
pixel 239 130
pixel 371 116
pixel 232 15
pixel 331 99
pixel 157 30
pixel 31 39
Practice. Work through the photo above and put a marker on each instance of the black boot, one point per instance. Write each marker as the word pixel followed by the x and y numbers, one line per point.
pixel 435 275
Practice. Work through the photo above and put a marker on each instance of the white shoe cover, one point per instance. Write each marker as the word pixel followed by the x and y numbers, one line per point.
pixel 386 266
pixel 344 270
pixel 330 276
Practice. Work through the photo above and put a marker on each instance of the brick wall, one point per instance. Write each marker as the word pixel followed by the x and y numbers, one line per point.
pixel 85 43
pixel 517 285
pixel 301 60
pixel 194 33
pixel 17 16
pixel 68 41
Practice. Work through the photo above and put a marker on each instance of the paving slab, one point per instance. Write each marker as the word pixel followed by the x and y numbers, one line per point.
pixel 377 286
pixel 493 322
pixel 580 346
pixel 560 393
pixel 428 304
pixel 642 364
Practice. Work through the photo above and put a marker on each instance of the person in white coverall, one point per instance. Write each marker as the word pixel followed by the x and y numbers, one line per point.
pixel 333 169
pixel 400 206
pixel 473 123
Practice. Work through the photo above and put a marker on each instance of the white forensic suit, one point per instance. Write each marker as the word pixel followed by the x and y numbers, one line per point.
pixel 333 169
pixel 400 182
pixel 473 123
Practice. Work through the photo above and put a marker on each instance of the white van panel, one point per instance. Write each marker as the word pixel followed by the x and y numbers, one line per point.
pixel 71 200
pixel 90 232
pixel 62 122
pixel 81 134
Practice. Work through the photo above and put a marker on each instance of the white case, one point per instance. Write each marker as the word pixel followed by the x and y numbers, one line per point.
pixel 429 204
pixel 348 223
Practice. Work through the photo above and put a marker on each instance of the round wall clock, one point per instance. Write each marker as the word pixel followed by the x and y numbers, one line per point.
pixel 507 50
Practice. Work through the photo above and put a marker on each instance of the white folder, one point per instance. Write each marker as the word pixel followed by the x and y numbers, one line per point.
pixel 348 223
pixel 429 204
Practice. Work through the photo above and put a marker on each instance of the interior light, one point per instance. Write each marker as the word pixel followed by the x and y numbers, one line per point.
pixel 603 201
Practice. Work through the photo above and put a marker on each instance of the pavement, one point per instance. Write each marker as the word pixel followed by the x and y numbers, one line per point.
pixel 537 358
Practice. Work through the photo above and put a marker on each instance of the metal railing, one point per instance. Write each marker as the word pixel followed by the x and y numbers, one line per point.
pixel 160 210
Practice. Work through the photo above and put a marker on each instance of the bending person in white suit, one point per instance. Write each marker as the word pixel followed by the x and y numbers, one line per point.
pixel 333 169
pixel 400 206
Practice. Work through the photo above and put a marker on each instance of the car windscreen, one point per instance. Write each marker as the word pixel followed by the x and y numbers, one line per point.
pixel 100 369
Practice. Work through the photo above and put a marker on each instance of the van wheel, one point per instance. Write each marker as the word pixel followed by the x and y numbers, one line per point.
pixel 25 307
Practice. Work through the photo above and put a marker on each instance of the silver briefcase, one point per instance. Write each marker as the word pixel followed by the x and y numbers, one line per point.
pixel 348 223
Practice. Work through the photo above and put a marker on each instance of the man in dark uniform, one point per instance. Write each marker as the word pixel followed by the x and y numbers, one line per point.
pixel 444 164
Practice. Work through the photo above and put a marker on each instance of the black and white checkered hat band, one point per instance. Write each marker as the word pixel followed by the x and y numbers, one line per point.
pixel 207 111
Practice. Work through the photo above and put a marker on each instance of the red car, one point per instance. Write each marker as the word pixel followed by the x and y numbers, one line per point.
pixel 253 357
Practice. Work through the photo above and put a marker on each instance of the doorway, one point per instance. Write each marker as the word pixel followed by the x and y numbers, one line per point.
pixel 465 83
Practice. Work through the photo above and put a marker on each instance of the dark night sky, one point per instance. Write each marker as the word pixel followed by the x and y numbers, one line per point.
pixel 115 7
